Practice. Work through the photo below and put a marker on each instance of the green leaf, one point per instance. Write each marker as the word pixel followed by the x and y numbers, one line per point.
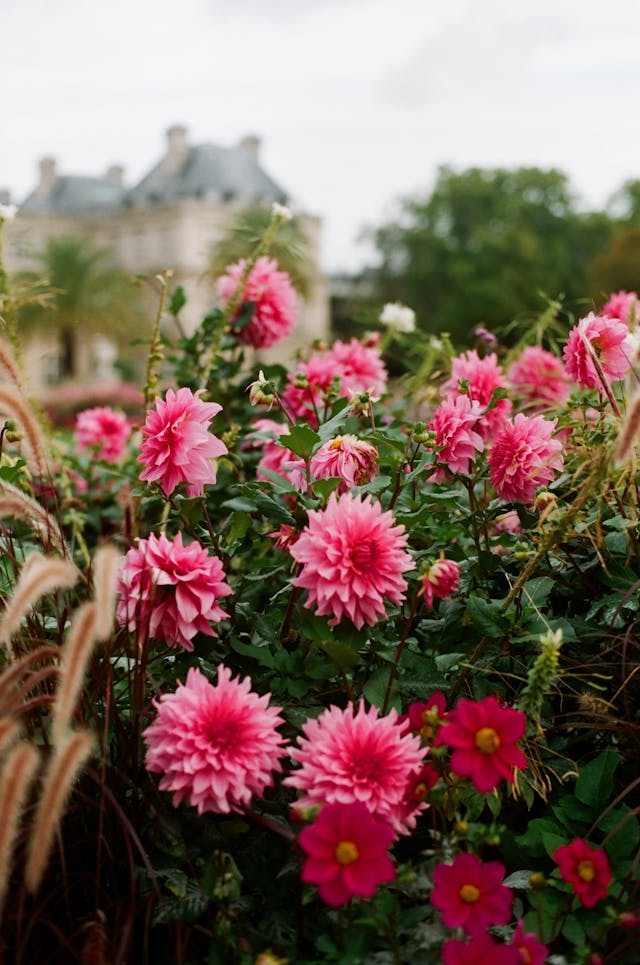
pixel 485 616
pixel 240 504
pixel 301 440
pixel 537 590
pixel 595 786
pixel 324 487
pixel 341 653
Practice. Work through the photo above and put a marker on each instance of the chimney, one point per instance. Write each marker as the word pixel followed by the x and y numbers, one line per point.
pixel 48 178
pixel 115 174
pixel 177 149
pixel 251 145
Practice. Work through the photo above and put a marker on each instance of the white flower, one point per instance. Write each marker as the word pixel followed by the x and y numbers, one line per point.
pixel 8 212
pixel 281 211
pixel 398 317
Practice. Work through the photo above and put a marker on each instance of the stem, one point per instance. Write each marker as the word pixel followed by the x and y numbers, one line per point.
pixel 400 651
pixel 155 349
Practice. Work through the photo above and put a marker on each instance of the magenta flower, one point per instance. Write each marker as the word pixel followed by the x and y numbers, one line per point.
pixel 539 378
pixel 104 430
pixel 528 946
pixel 346 757
pixel 359 367
pixel 304 397
pixel 215 745
pixel 481 948
pixel 523 456
pixel 275 307
pixel 483 735
pixel 622 305
pixel 586 869
pixel 454 423
pixel 169 591
pixel 350 458
pixel 440 580
pixel 469 894
pixel 425 718
pixel 178 446
pixel 484 375
pixel 352 559
pixel 346 852
pixel 609 339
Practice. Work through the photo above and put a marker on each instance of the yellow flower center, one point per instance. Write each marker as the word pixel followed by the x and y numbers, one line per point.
pixel 420 792
pixel 487 740
pixel 429 724
pixel 586 871
pixel 525 955
pixel 346 852
pixel 336 443
pixel 469 894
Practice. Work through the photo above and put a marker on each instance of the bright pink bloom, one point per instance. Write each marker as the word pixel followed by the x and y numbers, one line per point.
pixel 285 536
pixel 169 591
pixel 352 557
pixel 609 339
pixel 622 305
pixel 539 378
pixel 484 375
pixel 586 869
pixel 346 851
pixel 440 580
pixel 482 948
pixel 350 458
pixel 103 429
pixel 275 308
pixel 416 791
pixel 425 718
pixel 178 446
pixel 215 745
pixel 523 456
pixel 530 949
pixel 455 422
pixel 483 735
pixel 308 401
pixel 360 368
pixel 469 894
pixel 346 757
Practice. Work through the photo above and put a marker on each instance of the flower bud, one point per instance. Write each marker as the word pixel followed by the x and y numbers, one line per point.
pixel 262 392
pixel 440 580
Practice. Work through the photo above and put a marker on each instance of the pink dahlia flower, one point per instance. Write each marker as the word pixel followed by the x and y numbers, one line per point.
pixel 440 580
pixel 104 430
pixel 483 735
pixel 539 378
pixel 352 558
pixel 215 745
pixel 275 307
pixel 528 946
pixel 304 397
pixel 469 894
pixel 360 368
pixel 609 340
pixel 178 446
pixel 481 948
pixel 622 305
pixel 586 869
pixel 169 591
pixel 346 852
pixel 523 456
pixel 277 458
pixel 350 458
pixel 346 757
pixel 454 423
pixel 484 375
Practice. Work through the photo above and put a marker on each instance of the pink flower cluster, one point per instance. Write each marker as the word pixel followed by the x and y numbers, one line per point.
pixel 169 591
pixel 352 558
pixel 484 376
pixel 215 745
pixel 523 456
pixel 609 340
pixel 104 430
pixel 275 309
pixel 178 446
pixel 350 458
pixel 539 378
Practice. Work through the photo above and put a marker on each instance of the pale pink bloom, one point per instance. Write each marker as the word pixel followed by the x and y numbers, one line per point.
pixel 504 523
pixel 215 745
pixel 275 308
pixel 169 591
pixel 348 756
pixel 610 341
pixel 352 558
pixel 454 423
pixel 539 378
pixel 104 430
pixel 440 580
pixel 277 458
pixel 178 446
pixel 523 456
pixel 622 305
pixel 484 375
pixel 360 367
pixel 350 458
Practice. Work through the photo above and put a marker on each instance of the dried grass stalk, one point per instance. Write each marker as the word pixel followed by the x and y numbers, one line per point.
pixel 15 781
pixel 12 674
pixel 9 364
pixel 75 658
pixel 13 502
pixel 14 404
pixel 40 575
pixel 629 432
pixel 57 783
pixel 9 730
pixel 106 567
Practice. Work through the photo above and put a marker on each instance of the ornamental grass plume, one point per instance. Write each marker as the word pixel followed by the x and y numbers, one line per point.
pixel 539 378
pixel 353 460
pixel 608 339
pixel 352 557
pixel 484 376
pixel 454 423
pixel 272 296
pixel 346 851
pixel 215 745
pixel 481 948
pixel 16 777
pixel 40 574
pixel 104 431
pixel 347 756
pixel 14 405
pixel 13 502
pixel 586 869
pixel 169 591
pixel 178 447
pixel 469 894
pixel 74 661
pixel 523 456
pixel 483 735
pixel 107 562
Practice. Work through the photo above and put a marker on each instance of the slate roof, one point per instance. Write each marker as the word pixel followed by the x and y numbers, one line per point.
pixel 74 194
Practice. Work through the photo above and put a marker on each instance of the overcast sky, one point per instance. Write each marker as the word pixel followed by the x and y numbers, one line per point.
pixel 357 101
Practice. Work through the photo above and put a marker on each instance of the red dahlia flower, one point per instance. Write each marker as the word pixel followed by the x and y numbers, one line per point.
pixel 469 894
pixel 586 869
